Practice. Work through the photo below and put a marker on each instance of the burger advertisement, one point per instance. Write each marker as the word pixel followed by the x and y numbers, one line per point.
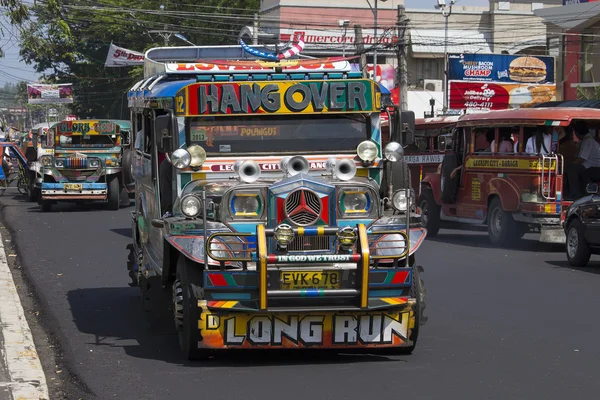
pixel 481 82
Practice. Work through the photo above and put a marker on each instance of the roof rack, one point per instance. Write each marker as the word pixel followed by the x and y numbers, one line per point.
pixel 195 60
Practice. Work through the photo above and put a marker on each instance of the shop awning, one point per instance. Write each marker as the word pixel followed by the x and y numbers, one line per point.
pixel 572 16
pixel 430 42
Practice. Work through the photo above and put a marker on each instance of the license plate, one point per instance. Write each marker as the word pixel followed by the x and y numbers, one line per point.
pixel 310 280
pixel 73 186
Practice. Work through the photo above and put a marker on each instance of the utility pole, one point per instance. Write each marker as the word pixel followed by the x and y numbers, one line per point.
pixel 402 68
pixel 165 34
pixel 446 12
pixel 360 49
pixel 255 30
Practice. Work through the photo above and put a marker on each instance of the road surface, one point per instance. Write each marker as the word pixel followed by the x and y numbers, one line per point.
pixel 503 324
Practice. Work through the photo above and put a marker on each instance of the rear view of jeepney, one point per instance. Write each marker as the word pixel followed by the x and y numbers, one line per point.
pixel 278 236
pixel 85 164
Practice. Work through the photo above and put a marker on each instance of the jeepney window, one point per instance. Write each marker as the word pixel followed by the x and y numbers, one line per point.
pixel 148 128
pixel 137 130
pixel 278 133
pixel 483 140
pixel 102 141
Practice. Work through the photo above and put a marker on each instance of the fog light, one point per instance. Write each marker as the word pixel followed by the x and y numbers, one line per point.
pixel 347 237
pixel 284 234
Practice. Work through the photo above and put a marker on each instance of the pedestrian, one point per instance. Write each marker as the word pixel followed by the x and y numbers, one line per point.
pixel 586 166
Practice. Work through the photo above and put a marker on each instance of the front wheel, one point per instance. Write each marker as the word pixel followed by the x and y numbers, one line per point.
pixel 578 252
pixel 113 194
pixel 187 290
pixel 32 191
pixel 46 206
pixel 502 228
pixel 430 213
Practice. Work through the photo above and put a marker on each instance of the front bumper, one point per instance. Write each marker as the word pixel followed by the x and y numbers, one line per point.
pixel 222 329
pixel 89 191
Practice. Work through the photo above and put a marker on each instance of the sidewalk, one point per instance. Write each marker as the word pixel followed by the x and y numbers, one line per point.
pixel 21 373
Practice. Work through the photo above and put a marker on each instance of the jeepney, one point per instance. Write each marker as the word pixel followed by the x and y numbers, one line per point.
pixel 512 193
pixel 85 164
pixel 432 137
pixel 271 232
pixel 33 150
pixel 126 152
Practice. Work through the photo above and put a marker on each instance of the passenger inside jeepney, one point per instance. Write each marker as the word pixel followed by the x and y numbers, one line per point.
pixel 506 143
pixel 567 147
pixel 539 143
pixel 586 167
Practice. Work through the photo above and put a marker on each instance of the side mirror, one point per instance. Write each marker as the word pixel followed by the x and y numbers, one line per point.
pixel 444 143
pixel 158 223
pixel 163 128
pixel 592 188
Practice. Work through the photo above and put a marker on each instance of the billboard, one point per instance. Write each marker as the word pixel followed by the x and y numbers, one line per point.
pixel 501 68
pixel 38 93
pixel 485 96
pixel 121 57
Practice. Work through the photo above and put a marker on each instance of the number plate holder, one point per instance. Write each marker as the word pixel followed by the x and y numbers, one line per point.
pixel 293 280
pixel 73 186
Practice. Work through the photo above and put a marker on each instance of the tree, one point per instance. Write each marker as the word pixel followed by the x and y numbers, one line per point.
pixel 70 40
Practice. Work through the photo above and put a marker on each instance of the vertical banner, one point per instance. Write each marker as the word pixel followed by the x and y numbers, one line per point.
pixel 50 94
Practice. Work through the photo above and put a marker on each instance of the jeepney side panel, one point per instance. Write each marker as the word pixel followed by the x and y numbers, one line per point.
pixel 433 181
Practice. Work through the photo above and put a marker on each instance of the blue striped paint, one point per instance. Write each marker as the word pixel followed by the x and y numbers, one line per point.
pixel 85 186
pixel 385 293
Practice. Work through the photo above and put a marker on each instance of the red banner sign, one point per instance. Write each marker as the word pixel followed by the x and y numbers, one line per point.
pixel 485 96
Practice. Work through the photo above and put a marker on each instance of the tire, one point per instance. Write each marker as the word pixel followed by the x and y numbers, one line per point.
pixel 502 228
pixel 126 164
pixel 114 191
pixel 124 200
pixel 430 213
pixel 449 186
pixel 400 175
pixel 418 291
pixel 187 290
pixel 46 205
pixel 32 192
pixel 578 252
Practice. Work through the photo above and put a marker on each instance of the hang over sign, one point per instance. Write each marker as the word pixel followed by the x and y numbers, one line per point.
pixel 276 97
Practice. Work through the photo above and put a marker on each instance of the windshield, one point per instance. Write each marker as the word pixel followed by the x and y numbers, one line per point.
pixel 102 141
pixel 281 134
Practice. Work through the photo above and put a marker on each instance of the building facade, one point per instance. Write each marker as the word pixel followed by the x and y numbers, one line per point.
pixel 328 27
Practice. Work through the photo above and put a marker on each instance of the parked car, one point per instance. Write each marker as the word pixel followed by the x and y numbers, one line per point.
pixel 582 228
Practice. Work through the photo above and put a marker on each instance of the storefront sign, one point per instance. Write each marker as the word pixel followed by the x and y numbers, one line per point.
pixel 49 94
pixel 481 96
pixel 336 37
pixel 268 97
pixel 567 2
pixel 500 68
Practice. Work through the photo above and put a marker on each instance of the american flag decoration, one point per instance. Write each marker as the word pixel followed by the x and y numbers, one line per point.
pixel 294 50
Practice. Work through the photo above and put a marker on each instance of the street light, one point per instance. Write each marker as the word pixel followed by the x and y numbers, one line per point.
pixel 446 12
pixel 343 23
pixel 180 36
pixel 374 10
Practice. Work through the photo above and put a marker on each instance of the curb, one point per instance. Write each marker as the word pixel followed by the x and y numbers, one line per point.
pixel 27 379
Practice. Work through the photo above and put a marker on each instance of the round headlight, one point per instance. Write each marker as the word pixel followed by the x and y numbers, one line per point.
pixel 367 151
pixel 246 205
pixel 191 206
pixel 394 151
pixel 94 163
pixel 59 163
pixel 354 202
pixel 399 200
pixel 347 236
pixel 284 234
pixel 198 155
pixel 181 159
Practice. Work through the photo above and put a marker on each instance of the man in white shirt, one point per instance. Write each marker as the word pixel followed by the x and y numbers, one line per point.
pixel 544 142
pixel 586 166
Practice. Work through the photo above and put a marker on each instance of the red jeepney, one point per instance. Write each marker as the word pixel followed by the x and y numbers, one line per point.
pixel 511 192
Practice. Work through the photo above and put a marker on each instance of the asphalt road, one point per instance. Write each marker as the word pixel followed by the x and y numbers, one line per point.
pixel 503 324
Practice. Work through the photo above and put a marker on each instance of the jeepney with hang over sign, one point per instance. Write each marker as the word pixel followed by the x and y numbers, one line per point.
pixel 85 165
pixel 512 192
pixel 265 220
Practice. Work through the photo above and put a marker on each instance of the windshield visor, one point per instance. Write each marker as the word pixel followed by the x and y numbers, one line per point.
pixel 278 134
pixel 87 141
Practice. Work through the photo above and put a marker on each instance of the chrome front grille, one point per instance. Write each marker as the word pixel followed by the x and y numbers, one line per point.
pixel 303 207
pixel 76 162
pixel 308 243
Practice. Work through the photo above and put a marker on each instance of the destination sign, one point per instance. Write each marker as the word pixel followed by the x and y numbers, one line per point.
pixel 86 128
pixel 276 97
pixel 509 163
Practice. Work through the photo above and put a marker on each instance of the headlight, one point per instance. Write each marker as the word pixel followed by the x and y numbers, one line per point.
pixel 394 151
pixel 356 202
pixel 246 205
pixel 181 159
pixel 284 234
pixel 399 200
pixel 347 237
pixel 191 206
pixel 94 163
pixel 367 151
pixel 197 156
pixel 59 163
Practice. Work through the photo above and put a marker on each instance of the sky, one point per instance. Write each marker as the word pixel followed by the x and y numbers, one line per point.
pixel 13 70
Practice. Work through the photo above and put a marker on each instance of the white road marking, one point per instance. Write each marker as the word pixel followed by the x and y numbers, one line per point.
pixel 28 381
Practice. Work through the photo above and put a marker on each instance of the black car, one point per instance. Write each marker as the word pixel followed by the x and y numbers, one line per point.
pixel 582 228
